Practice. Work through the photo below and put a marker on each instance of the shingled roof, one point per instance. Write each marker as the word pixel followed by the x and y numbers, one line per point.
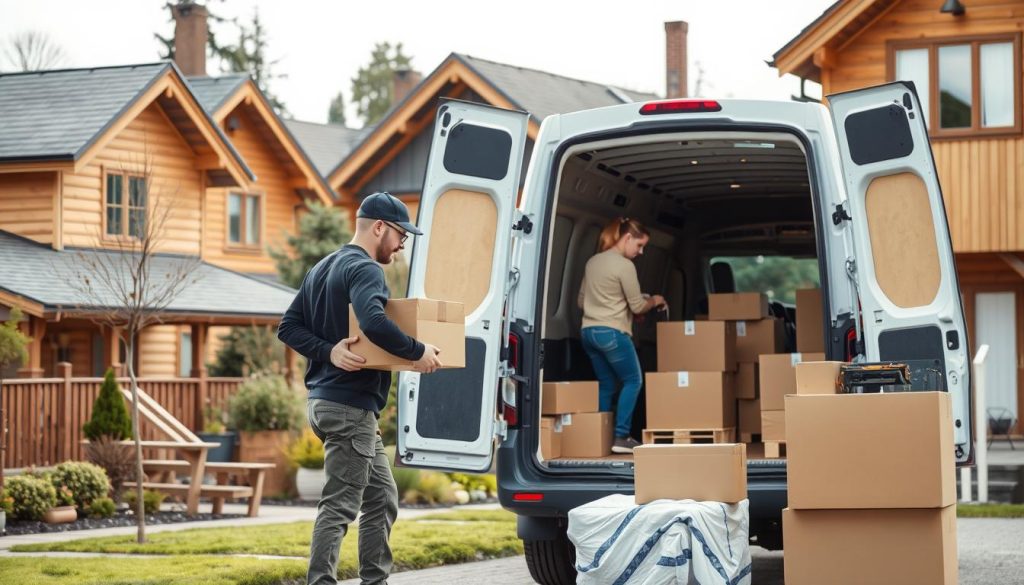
pixel 212 92
pixel 326 144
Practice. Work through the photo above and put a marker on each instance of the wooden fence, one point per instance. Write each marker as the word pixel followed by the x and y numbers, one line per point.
pixel 45 415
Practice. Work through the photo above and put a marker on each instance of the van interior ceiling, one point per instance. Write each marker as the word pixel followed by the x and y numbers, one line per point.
pixel 702 196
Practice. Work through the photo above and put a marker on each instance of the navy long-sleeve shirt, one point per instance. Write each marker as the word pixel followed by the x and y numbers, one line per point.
pixel 318 319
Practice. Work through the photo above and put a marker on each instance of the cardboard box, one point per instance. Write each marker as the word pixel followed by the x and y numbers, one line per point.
pixel 439 323
pixel 587 434
pixel 749 306
pixel 550 437
pixel 754 338
pixel 690 400
pixel 773 425
pixel 566 397
pixel 817 377
pixel 870 450
pixel 857 547
pixel 777 377
pixel 748 417
pixel 746 381
pixel 715 473
pixel 810 327
pixel 703 346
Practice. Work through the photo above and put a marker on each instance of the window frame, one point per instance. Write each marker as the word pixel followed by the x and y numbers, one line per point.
pixel 241 245
pixel 976 130
pixel 124 206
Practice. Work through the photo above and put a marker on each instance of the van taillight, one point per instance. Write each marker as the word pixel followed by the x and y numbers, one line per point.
pixel 508 388
pixel 680 107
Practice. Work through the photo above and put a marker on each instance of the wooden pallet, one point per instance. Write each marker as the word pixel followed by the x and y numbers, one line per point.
pixel 689 436
pixel 774 449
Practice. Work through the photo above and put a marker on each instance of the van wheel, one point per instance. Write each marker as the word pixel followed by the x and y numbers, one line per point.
pixel 551 562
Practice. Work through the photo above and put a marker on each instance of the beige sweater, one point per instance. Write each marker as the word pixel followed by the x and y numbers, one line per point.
pixel 610 292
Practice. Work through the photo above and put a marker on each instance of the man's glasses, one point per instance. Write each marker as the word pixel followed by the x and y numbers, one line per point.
pixel 404 235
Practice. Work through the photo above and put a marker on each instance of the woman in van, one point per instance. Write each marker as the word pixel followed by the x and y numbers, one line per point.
pixel 610 296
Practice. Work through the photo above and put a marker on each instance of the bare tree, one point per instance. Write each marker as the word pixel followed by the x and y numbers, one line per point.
pixel 33 51
pixel 129 287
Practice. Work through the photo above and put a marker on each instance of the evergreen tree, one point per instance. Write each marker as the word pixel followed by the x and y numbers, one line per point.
pixel 372 86
pixel 109 415
pixel 321 231
pixel 249 56
pixel 336 113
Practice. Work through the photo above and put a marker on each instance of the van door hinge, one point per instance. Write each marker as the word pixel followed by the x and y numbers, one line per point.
pixel 840 215
pixel 501 429
pixel 523 223
pixel 505 370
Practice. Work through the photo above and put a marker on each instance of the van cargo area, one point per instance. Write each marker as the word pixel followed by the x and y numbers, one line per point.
pixel 728 212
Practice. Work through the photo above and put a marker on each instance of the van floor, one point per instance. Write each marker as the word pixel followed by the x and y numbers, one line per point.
pixel 755 451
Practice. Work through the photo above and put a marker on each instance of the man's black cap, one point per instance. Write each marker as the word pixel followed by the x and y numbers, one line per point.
pixel 385 206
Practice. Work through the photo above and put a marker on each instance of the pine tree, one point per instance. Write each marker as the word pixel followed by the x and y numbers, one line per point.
pixel 109 415
pixel 336 112
pixel 372 86
pixel 321 231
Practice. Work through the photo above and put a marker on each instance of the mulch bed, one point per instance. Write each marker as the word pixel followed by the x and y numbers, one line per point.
pixel 17 527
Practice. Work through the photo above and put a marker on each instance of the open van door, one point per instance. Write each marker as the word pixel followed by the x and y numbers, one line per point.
pixel 902 267
pixel 447 419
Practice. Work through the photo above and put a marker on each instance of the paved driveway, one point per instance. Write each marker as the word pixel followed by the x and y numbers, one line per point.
pixel 991 551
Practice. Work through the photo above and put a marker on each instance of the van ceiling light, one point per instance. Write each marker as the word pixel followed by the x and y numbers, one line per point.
pixel 743 160
pixel 693 162
pixel 680 107
pixel 754 145
pixel 734 186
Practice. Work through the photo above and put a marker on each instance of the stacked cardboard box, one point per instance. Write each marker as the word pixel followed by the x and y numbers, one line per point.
pixel 571 425
pixel 756 333
pixel 716 473
pixel 777 379
pixel 810 329
pixel 871 488
pixel 693 387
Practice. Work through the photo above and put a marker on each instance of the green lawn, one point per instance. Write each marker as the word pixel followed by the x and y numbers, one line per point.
pixel 432 540
pixel 990 510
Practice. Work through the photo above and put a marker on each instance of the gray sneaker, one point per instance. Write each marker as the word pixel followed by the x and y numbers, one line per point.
pixel 624 445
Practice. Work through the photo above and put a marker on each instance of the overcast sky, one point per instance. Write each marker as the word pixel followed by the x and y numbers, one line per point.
pixel 321 44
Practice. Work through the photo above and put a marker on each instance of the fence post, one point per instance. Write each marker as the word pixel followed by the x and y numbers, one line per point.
pixel 981 422
pixel 66 444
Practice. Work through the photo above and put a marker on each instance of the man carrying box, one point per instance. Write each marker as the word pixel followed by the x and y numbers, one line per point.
pixel 344 400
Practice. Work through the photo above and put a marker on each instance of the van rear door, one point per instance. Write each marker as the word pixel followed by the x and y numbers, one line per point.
pixel 903 268
pixel 447 419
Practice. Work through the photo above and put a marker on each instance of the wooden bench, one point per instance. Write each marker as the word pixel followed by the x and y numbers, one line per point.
pixel 253 472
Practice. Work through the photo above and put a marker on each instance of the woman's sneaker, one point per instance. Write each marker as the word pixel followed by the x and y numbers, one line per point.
pixel 624 445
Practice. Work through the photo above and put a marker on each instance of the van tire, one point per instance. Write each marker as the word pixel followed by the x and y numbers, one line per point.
pixel 551 562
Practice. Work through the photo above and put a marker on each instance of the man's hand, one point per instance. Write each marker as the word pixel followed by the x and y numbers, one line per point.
pixel 344 359
pixel 429 362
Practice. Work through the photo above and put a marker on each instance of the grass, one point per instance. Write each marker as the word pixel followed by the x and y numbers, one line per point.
pixel 428 541
pixel 990 510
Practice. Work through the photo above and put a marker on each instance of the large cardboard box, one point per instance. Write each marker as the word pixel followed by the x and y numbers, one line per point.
pixel 859 547
pixel 817 377
pixel 749 306
pixel 551 437
pixel 754 338
pixel 716 473
pixel 746 381
pixel 773 425
pixel 690 400
pixel 778 377
pixel 439 323
pixel 870 450
pixel 810 328
pixel 566 397
pixel 748 417
pixel 587 434
pixel 704 346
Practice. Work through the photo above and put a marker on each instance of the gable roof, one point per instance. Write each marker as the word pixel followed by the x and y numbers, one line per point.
pixel 843 20
pixel 538 93
pixel 63 115
pixel 213 92
pixel 326 144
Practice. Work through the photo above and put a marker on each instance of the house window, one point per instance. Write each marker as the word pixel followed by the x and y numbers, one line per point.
pixel 967 87
pixel 243 219
pixel 125 205
pixel 185 355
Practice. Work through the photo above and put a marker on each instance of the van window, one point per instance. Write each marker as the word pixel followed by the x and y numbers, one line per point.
pixel 779 277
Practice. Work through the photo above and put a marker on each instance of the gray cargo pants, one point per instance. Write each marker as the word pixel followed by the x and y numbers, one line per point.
pixel 358 480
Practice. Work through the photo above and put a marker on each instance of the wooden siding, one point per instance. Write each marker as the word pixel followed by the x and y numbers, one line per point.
pixel 176 180
pixel 982 179
pixel 158 351
pixel 26 204
pixel 278 201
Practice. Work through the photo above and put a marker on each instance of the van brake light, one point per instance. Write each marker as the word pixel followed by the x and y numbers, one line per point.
pixel 680 107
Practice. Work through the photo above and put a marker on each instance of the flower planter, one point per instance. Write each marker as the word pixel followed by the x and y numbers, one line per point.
pixel 268 447
pixel 60 515
pixel 310 483
pixel 224 453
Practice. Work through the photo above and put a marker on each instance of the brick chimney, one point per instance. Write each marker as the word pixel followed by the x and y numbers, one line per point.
pixel 675 59
pixel 402 83
pixel 190 31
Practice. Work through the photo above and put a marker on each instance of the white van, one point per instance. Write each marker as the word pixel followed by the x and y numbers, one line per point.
pixel 852 186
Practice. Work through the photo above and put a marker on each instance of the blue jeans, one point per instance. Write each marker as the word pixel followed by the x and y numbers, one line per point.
pixel 614 358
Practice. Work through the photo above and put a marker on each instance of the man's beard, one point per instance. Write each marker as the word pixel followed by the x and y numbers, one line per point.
pixel 385 256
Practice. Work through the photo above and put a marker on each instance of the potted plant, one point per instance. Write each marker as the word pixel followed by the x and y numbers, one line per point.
pixel 266 411
pixel 65 510
pixel 30 496
pixel 6 507
pixel 307 453
pixel 214 431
